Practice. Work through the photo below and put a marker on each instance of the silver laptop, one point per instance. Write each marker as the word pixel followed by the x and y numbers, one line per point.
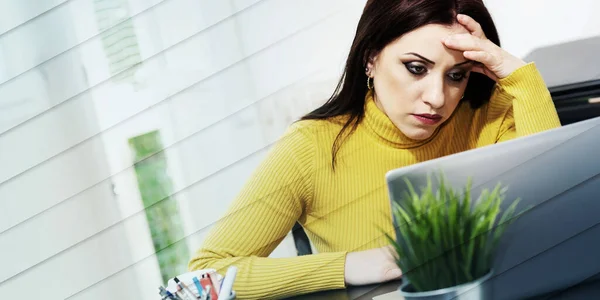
pixel 556 243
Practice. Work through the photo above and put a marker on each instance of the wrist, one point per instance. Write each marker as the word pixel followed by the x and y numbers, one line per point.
pixel 348 268
pixel 524 72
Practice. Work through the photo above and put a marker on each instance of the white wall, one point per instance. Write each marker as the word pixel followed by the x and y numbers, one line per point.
pixel 526 25
pixel 220 79
pixel 216 77
pixel 44 222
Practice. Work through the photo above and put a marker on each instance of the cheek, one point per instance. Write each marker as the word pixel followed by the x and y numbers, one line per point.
pixel 453 97
pixel 398 89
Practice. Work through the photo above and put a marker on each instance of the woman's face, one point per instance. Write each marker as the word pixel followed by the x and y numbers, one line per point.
pixel 418 81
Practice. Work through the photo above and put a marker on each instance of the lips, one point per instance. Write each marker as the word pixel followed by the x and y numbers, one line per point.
pixel 428 119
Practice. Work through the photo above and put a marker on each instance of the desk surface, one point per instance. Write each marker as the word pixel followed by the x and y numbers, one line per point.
pixel 354 293
pixel 587 290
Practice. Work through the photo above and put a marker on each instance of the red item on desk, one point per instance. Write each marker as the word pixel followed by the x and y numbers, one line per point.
pixel 205 282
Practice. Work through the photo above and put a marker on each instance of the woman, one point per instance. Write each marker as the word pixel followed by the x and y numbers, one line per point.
pixel 423 79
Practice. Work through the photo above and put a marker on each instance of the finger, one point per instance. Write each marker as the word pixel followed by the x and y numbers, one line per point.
pixel 392 273
pixel 478 69
pixel 472 26
pixel 485 71
pixel 467 42
pixel 481 56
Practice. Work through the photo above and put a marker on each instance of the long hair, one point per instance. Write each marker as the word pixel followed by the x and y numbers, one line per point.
pixel 382 22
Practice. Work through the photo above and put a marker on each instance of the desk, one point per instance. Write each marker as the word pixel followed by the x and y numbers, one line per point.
pixel 354 292
pixel 585 290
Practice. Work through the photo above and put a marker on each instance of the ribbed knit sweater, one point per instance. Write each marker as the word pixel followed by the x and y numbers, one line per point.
pixel 343 210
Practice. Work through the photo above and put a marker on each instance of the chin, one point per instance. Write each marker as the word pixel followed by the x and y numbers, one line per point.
pixel 418 134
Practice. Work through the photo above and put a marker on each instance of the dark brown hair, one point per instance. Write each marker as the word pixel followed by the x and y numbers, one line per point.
pixel 382 22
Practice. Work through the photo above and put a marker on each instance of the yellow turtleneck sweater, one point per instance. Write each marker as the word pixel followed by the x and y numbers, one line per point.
pixel 343 211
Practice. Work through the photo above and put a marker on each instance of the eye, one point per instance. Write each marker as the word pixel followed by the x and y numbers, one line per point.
pixel 415 68
pixel 457 76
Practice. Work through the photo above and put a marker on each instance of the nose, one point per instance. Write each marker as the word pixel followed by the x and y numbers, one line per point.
pixel 434 94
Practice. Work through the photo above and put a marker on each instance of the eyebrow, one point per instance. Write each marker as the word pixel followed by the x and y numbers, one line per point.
pixel 433 63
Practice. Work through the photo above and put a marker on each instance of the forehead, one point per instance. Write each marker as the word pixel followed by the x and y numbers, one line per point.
pixel 427 41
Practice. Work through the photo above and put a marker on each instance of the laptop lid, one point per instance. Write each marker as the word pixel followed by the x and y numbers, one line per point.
pixel 555 243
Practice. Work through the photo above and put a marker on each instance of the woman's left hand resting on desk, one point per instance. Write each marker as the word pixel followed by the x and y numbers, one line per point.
pixel 496 62
pixel 371 266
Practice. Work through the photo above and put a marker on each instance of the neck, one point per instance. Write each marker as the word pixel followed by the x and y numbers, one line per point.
pixel 379 124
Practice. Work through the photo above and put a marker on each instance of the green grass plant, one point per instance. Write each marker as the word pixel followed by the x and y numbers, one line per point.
pixel 446 238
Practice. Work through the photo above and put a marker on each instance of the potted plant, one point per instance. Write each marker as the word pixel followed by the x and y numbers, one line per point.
pixel 445 241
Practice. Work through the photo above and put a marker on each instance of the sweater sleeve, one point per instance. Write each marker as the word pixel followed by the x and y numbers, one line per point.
pixel 263 213
pixel 526 104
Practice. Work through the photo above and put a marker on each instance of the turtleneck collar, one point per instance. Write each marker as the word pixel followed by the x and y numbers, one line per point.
pixel 379 124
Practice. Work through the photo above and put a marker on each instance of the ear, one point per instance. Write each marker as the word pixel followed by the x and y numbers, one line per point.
pixel 371 63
